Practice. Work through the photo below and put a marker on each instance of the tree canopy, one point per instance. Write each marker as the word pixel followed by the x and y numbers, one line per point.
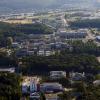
pixel 19 29
pixel 93 23
pixel 10 86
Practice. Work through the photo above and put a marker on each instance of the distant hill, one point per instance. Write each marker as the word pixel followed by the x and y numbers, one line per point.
pixel 20 29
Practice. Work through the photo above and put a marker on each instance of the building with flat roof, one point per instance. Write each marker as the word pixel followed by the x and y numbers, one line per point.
pixel 57 74
pixel 75 77
pixel 11 70
pixel 72 34
pixel 51 87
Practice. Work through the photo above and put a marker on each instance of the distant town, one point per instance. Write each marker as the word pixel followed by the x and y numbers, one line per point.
pixel 50 55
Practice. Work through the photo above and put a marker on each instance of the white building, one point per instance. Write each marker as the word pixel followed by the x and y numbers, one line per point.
pixel 10 70
pixel 41 53
pixel 48 53
pixel 30 52
pixel 57 74
pixel 96 82
pixel 16 45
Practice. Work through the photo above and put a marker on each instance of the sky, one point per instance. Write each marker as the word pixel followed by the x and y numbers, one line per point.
pixel 39 2
pixel 42 2
pixel 19 4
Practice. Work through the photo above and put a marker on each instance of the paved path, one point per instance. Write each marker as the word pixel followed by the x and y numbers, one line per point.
pixel 51 96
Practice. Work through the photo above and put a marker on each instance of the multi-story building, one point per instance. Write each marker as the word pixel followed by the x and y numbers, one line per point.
pixel 57 74
pixel 72 35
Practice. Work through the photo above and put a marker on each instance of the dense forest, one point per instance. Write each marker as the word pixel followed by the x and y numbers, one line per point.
pixel 81 57
pixel 90 92
pixel 20 29
pixel 80 47
pixel 87 23
pixel 67 62
pixel 6 61
pixel 10 86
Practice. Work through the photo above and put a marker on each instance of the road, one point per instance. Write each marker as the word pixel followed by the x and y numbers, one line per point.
pixel 64 21
pixel 91 36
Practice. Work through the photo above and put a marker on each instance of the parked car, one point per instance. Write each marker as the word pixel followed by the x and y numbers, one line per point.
pixel 35 96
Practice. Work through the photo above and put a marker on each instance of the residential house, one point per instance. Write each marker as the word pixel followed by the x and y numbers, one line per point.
pixel 75 77
pixel 57 74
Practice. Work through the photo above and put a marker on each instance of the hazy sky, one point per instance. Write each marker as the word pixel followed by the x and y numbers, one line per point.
pixel 30 3
pixel 43 2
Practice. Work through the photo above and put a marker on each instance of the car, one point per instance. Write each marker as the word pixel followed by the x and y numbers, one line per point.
pixel 35 96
